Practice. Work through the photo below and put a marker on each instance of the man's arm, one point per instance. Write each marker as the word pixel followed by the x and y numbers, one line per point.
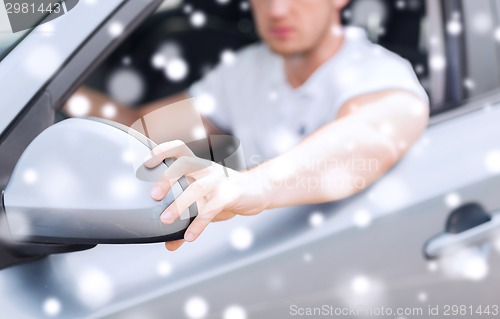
pixel 126 115
pixel 371 133
pixel 210 128
pixel 97 103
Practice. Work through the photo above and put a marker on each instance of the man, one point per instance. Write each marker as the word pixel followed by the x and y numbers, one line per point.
pixel 321 113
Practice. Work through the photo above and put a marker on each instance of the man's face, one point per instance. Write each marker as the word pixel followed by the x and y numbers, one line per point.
pixel 292 27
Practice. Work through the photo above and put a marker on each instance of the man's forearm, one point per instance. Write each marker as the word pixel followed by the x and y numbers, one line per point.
pixel 345 156
pixel 100 105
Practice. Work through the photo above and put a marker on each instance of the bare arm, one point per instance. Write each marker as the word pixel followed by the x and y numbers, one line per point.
pixel 371 133
pixel 126 115
pixel 153 106
pixel 210 128
pixel 98 103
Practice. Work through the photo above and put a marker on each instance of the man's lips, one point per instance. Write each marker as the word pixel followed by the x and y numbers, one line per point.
pixel 281 32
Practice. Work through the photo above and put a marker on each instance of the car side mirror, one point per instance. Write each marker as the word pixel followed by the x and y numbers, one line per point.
pixel 82 181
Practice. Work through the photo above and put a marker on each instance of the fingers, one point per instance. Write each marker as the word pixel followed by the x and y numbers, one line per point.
pixel 186 165
pixel 196 231
pixel 174 245
pixel 183 166
pixel 173 149
pixel 224 215
pixel 195 192
pixel 197 227
pixel 199 224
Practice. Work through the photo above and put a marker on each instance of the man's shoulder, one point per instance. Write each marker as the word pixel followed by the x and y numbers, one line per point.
pixel 361 51
pixel 235 70
pixel 254 50
pixel 368 60
pixel 246 63
pixel 366 67
pixel 250 56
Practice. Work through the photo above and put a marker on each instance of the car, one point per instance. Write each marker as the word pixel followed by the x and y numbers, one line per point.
pixel 423 241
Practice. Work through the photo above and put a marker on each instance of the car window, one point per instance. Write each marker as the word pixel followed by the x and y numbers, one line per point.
pixel 400 27
pixel 464 60
pixel 42 52
pixel 452 46
pixel 481 33
pixel 134 75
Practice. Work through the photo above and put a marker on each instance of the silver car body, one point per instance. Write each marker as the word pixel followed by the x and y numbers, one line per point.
pixel 366 250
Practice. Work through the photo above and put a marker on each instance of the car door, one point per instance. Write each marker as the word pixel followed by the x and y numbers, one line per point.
pixel 363 253
pixel 364 257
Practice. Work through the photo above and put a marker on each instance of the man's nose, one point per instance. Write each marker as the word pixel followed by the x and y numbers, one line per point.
pixel 279 8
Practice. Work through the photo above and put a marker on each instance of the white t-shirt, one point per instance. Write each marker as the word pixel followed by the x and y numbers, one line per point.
pixel 252 100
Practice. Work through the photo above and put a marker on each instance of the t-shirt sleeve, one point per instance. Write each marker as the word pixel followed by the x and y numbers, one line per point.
pixel 383 71
pixel 210 97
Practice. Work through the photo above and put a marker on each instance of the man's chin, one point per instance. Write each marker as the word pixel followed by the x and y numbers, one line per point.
pixel 284 50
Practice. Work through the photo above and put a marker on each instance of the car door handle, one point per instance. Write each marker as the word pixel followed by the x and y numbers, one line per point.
pixel 481 228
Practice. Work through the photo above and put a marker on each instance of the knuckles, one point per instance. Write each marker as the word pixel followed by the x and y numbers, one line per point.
pixel 164 148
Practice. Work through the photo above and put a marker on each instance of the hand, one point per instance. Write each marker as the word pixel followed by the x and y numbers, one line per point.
pixel 219 192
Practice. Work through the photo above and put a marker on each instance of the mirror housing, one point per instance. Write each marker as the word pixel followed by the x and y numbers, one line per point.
pixel 82 181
